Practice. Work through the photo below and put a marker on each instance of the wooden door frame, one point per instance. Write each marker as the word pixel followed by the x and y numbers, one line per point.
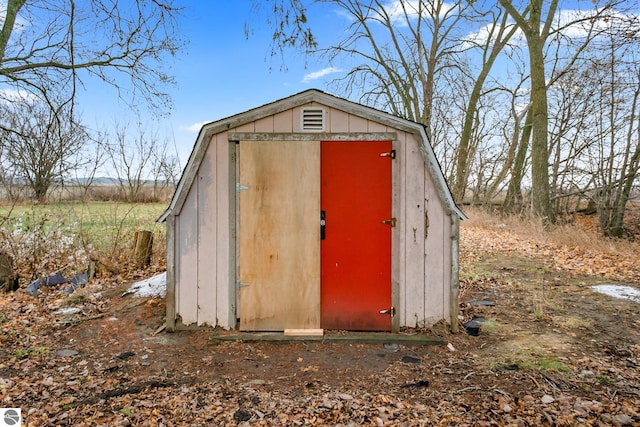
pixel 234 139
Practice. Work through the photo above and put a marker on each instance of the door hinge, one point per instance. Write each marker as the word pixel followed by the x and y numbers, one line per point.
pixel 390 311
pixel 391 154
pixel 391 222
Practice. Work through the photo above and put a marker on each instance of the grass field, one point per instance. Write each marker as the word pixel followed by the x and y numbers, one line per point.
pixel 99 218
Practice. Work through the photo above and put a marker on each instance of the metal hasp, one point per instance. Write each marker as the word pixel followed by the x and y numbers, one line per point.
pixel 391 222
pixel 391 154
pixel 390 311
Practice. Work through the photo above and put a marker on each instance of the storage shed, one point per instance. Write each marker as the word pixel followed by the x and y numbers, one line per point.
pixel 312 212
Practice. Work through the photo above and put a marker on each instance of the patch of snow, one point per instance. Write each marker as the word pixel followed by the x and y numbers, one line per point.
pixel 68 310
pixel 66 353
pixel 618 291
pixel 155 286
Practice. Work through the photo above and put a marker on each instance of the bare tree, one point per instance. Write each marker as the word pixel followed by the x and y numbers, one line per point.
pixel 616 160
pixel 540 28
pixel 138 158
pixel 39 143
pixel 165 170
pixel 50 47
pixel 404 49
pixel 491 44
pixel 90 160
pixel 130 153
pixel 572 110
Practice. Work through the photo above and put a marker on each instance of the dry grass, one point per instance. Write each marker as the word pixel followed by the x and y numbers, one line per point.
pixel 493 327
pixel 147 193
pixel 583 234
pixel 68 237
pixel 573 322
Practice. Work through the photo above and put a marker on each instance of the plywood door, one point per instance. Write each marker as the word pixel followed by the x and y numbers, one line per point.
pixel 356 248
pixel 279 234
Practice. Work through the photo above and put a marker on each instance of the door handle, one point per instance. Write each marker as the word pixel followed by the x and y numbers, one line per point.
pixel 323 221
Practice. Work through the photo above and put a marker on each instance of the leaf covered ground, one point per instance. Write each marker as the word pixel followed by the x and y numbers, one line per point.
pixel 549 352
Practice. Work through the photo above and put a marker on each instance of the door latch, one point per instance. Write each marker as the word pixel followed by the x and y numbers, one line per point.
pixel 390 311
pixel 391 222
pixel 391 154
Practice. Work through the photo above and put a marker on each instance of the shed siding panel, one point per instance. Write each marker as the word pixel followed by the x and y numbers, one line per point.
pixel 414 233
pixel 187 265
pixel 207 237
pixel 223 227
pixel 446 267
pixel 357 124
pixel 434 256
pixel 338 121
pixel 264 125
pixel 283 122
pixel 248 127
pixel 376 127
pixel 171 273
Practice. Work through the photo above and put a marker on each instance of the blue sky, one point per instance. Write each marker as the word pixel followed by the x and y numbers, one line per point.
pixel 219 73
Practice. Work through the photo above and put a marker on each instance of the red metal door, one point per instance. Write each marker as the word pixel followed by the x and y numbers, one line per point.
pixel 355 243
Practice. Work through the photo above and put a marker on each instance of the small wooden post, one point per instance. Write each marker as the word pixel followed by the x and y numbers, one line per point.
pixel 142 245
pixel 8 279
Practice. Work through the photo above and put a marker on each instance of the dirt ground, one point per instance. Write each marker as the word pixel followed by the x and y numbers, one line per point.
pixel 550 352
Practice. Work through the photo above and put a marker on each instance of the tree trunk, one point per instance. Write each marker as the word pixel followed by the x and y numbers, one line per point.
pixel 513 200
pixel 539 127
pixel 536 35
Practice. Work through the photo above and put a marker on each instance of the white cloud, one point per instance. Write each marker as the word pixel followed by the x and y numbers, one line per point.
pixel 480 37
pixel 321 73
pixel 12 95
pixel 578 23
pixel 571 23
pixel 399 14
pixel 195 127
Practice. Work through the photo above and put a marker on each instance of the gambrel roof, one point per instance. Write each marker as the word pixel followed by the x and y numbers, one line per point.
pixel 297 100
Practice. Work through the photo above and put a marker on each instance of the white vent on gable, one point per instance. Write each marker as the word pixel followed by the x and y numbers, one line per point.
pixel 313 119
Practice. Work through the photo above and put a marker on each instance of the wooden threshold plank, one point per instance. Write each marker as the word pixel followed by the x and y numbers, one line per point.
pixel 304 332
